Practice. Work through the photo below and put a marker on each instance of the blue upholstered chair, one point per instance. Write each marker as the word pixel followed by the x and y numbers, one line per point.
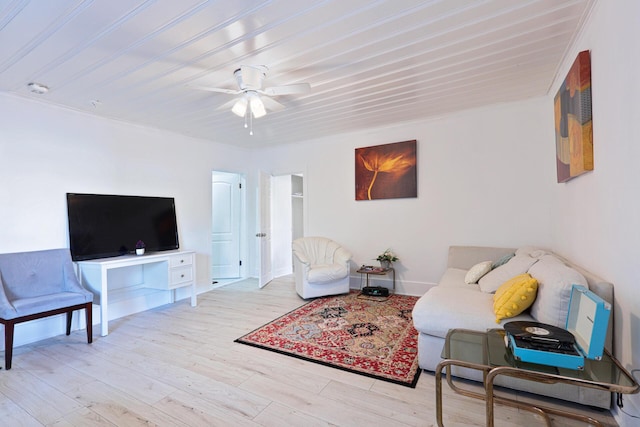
pixel 39 284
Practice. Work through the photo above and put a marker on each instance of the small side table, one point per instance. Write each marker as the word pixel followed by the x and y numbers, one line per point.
pixel 487 353
pixel 367 271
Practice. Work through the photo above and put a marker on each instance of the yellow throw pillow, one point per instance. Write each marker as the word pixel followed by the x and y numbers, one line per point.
pixel 514 296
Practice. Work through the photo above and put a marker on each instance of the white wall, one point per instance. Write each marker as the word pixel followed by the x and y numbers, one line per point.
pixel 46 152
pixel 597 215
pixel 485 177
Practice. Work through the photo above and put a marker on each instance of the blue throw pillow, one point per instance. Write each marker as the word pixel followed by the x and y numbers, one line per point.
pixel 503 260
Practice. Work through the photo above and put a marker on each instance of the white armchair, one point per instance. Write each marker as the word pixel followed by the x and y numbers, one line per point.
pixel 321 267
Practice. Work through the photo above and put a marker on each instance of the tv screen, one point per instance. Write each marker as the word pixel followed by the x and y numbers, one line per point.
pixel 102 225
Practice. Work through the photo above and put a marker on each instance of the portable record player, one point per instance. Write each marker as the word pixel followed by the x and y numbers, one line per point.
pixel 375 291
pixel 584 336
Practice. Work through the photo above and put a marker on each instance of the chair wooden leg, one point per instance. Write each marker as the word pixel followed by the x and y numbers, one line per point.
pixel 8 344
pixel 9 326
pixel 87 311
pixel 69 317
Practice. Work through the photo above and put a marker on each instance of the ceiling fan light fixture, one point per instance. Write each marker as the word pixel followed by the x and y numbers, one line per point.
pixel 240 107
pixel 254 99
pixel 257 107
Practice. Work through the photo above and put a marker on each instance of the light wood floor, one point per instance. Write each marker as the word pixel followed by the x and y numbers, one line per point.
pixel 178 366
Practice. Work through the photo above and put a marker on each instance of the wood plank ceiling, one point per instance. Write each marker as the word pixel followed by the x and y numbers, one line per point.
pixel 369 63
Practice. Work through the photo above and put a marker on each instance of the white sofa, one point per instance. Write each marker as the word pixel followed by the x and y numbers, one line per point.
pixel 456 304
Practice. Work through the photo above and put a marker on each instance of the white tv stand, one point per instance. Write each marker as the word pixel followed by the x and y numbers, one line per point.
pixel 161 270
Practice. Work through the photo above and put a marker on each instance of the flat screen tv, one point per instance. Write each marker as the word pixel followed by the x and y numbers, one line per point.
pixel 102 225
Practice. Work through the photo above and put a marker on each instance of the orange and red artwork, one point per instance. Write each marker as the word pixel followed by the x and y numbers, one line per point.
pixel 386 171
pixel 573 121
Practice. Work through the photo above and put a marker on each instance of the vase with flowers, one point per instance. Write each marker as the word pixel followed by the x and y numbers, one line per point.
pixel 140 247
pixel 387 258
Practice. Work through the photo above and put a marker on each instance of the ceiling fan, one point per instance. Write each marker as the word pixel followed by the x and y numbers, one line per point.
pixel 253 98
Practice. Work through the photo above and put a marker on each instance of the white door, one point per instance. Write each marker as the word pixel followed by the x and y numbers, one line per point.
pixel 225 225
pixel 264 229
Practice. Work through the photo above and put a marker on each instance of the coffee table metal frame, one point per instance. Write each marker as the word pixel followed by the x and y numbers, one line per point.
pixel 626 384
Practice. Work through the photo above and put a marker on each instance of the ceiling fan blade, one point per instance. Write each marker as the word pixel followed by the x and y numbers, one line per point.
pixel 228 105
pixel 251 77
pixel 218 89
pixel 271 104
pixel 294 89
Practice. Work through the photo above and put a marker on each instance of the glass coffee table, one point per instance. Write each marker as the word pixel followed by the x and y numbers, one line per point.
pixel 486 352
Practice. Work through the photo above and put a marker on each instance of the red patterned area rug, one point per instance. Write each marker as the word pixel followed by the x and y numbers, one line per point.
pixel 365 335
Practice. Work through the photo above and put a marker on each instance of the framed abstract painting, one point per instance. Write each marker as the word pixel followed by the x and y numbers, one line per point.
pixel 573 121
pixel 386 171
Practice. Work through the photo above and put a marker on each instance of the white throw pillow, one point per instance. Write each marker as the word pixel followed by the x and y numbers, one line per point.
pixel 477 271
pixel 517 265
pixel 531 251
pixel 554 290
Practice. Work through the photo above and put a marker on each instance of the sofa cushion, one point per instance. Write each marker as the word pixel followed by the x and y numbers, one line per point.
pixel 319 274
pixel 514 296
pixel 454 277
pixel 443 308
pixel 42 303
pixel 554 290
pixel 519 264
pixel 477 271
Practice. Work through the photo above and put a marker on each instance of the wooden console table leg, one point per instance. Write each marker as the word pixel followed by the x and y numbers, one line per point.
pixel 194 294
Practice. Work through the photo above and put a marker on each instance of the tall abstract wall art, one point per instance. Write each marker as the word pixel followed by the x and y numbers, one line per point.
pixel 386 171
pixel 573 121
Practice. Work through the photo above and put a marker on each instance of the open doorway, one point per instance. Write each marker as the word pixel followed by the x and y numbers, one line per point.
pixel 227 225
pixel 287 220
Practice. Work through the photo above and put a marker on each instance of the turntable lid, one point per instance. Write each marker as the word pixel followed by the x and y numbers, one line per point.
pixel 588 320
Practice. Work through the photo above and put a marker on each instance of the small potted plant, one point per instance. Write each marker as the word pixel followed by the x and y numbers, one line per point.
pixel 140 246
pixel 386 258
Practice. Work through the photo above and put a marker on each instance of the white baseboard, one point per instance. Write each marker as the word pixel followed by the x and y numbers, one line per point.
pixel 36 330
pixel 48 327
pixel 403 287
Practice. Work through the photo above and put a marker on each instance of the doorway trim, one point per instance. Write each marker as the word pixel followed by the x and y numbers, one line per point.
pixel 242 254
pixel 280 268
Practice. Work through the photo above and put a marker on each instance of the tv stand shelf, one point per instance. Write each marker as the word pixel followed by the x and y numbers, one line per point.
pixel 163 271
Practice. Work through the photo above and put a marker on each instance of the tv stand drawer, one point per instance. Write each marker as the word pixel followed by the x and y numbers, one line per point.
pixel 179 260
pixel 180 275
